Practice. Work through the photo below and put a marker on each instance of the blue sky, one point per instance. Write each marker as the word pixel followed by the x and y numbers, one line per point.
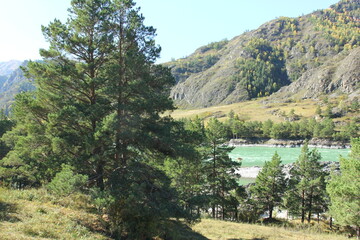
pixel 182 25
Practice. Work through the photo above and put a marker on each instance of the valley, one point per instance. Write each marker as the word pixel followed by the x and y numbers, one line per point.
pixel 98 141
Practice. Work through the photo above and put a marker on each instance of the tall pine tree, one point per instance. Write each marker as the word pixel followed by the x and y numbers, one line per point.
pixel 270 185
pixel 98 107
pixel 344 190
pixel 307 185
pixel 220 169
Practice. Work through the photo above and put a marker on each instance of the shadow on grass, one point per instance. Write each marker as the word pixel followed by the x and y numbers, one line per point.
pixel 179 230
pixel 6 209
pixel 246 239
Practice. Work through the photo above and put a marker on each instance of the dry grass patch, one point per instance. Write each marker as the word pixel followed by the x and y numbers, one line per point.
pixel 221 230
pixel 255 110
pixel 259 110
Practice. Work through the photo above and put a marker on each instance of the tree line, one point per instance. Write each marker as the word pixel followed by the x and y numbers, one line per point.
pixel 303 129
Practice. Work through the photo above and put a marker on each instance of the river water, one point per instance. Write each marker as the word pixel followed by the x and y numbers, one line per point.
pixel 256 156
pixel 253 157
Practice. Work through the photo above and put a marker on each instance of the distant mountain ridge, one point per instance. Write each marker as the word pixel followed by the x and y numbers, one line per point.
pixel 6 68
pixel 305 57
pixel 317 49
pixel 12 83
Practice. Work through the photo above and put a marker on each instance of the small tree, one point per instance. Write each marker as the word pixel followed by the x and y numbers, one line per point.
pixel 318 110
pixel 344 190
pixel 66 182
pixel 307 186
pixel 270 185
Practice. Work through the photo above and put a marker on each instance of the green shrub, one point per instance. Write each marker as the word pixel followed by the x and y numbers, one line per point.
pixel 66 182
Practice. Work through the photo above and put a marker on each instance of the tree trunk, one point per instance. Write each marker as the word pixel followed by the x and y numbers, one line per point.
pixel 303 206
pixel 100 176
pixel 331 222
pixel 213 212
pixel 318 217
pixel 223 211
pixel 310 207
pixel 271 208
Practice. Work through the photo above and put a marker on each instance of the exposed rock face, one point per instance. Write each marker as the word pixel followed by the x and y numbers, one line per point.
pixel 6 68
pixel 315 63
pixel 338 74
pixel 13 84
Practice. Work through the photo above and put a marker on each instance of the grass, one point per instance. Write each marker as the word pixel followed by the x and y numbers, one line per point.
pixel 221 230
pixel 258 110
pixel 35 214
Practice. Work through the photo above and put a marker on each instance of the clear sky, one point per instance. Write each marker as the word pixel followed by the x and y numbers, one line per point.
pixel 182 25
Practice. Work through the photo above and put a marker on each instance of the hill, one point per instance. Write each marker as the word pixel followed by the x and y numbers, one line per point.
pixel 36 214
pixel 12 83
pixel 6 68
pixel 318 50
pixel 288 59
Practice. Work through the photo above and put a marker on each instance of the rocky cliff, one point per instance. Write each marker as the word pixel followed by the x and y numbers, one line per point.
pixel 320 52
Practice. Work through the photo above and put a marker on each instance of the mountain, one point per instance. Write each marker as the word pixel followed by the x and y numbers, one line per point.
pixel 297 58
pixel 6 68
pixel 286 58
pixel 12 84
pixel 340 74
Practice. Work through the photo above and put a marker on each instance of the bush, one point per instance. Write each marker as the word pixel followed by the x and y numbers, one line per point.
pixel 66 182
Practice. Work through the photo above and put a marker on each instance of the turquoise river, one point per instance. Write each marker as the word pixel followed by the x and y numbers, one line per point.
pixel 257 155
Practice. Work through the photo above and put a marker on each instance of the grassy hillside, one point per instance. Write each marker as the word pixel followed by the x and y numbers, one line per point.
pixel 261 110
pixel 220 230
pixel 35 214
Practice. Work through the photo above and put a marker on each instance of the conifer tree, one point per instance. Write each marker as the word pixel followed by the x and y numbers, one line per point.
pixel 307 185
pixel 98 108
pixel 344 190
pixel 221 170
pixel 5 125
pixel 269 185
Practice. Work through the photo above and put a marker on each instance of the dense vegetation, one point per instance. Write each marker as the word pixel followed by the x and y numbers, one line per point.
pixel 303 129
pixel 95 128
pixel 262 71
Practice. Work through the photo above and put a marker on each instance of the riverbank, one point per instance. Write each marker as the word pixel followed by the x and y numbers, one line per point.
pixel 265 142
pixel 252 172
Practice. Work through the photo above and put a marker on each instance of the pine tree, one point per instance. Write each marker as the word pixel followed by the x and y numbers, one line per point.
pixel 5 125
pixel 307 185
pixel 269 185
pixel 344 190
pixel 98 108
pixel 221 170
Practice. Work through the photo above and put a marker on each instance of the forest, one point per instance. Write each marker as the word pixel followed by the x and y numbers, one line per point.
pixel 96 125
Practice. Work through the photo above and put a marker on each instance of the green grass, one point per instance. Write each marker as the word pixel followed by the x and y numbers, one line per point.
pixel 35 214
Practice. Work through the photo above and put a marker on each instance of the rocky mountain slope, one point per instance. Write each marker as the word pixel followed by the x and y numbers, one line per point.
pixel 12 84
pixel 340 74
pixel 308 56
pixel 296 58
pixel 6 68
